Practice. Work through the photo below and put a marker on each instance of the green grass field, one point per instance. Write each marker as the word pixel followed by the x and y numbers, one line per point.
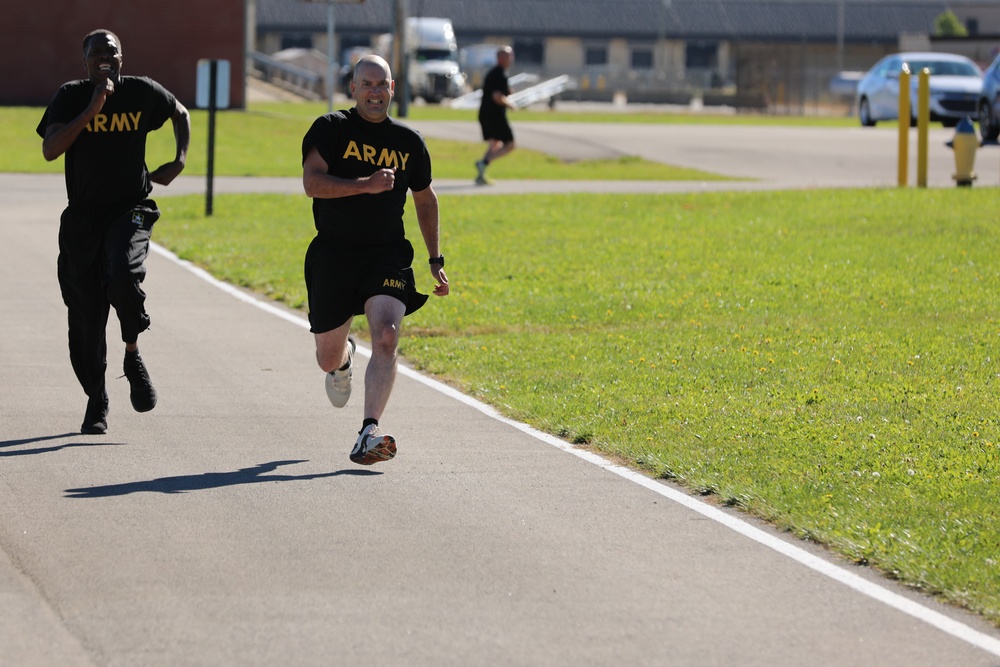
pixel 820 359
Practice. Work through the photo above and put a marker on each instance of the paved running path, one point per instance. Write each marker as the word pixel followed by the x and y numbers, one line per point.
pixel 227 527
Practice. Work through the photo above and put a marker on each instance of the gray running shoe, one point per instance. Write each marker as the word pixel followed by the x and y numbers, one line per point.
pixel 373 446
pixel 338 382
pixel 481 175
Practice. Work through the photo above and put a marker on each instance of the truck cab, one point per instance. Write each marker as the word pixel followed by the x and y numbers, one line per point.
pixel 434 73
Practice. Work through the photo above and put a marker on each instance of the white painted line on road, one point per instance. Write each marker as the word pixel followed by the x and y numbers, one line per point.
pixel 860 584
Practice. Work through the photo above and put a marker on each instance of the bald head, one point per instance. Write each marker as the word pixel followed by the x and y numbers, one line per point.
pixel 505 56
pixel 372 88
pixel 373 61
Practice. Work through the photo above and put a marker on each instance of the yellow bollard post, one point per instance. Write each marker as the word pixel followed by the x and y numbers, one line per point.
pixel 964 144
pixel 923 123
pixel 903 166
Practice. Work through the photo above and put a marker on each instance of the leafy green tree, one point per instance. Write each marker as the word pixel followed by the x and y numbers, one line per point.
pixel 948 25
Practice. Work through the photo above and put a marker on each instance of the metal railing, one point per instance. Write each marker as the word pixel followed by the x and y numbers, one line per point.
pixel 296 79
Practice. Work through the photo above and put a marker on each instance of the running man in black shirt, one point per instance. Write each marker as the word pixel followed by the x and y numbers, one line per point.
pixel 493 113
pixel 100 124
pixel 357 167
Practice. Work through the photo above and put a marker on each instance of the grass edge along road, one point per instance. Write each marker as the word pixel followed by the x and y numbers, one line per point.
pixel 820 359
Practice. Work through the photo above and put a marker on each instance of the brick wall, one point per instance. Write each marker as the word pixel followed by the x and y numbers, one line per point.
pixel 164 41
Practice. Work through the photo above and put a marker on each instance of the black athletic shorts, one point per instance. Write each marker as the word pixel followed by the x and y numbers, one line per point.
pixel 496 128
pixel 340 280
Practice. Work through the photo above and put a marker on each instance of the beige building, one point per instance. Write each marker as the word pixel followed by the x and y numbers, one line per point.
pixel 749 54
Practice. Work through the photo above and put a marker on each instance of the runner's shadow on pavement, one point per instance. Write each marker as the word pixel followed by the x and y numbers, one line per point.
pixel 208 480
pixel 46 450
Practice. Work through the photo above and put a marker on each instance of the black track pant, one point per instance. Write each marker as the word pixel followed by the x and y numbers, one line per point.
pixel 101 264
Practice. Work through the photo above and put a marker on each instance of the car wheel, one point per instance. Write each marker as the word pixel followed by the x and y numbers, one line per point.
pixel 865 113
pixel 989 127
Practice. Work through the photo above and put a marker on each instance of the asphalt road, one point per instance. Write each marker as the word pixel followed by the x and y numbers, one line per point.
pixel 228 527
pixel 771 157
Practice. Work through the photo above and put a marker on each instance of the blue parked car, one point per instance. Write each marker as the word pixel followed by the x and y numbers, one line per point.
pixel 989 103
pixel 955 85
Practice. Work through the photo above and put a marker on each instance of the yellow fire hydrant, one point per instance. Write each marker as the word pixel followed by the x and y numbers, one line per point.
pixel 964 144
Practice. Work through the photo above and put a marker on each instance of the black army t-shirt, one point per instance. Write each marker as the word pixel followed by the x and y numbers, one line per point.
pixel 353 147
pixel 106 164
pixel 495 81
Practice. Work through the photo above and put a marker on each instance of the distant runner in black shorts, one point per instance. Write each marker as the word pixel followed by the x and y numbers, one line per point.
pixel 358 165
pixel 493 113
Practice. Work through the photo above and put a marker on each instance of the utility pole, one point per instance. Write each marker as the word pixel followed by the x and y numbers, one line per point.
pixel 841 19
pixel 331 74
pixel 400 61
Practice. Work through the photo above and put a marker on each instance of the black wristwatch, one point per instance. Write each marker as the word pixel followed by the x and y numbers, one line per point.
pixel 437 260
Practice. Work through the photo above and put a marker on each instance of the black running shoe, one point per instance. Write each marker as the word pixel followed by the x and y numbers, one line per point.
pixel 143 395
pixel 95 421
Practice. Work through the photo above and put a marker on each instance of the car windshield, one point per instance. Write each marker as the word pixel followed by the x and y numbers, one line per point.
pixel 434 54
pixel 944 68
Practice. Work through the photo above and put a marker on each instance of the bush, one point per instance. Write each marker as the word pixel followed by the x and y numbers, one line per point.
pixel 948 25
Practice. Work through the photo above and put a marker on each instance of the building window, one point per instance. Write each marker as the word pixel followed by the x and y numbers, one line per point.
pixel 353 41
pixel 296 40
pixel 701 55
pixel 596 55
pixel 642 58
pixel 972 26
pixel 529 51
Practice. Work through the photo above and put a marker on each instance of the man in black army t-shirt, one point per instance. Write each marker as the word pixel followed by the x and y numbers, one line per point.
pixel 497 133
pixel 357 166
pixel 100 124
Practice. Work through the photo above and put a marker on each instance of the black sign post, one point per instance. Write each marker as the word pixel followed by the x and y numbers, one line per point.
pixel 213 76
pixel 213 94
